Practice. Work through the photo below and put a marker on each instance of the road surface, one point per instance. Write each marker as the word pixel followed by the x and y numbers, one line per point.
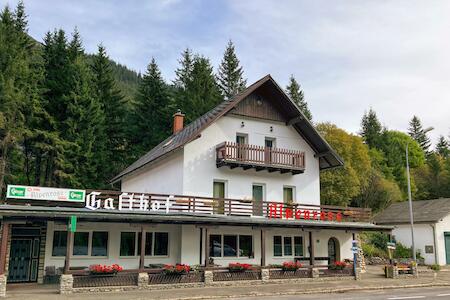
pixel 440 293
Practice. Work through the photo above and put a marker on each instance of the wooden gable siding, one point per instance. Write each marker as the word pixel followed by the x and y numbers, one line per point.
pixel 257 106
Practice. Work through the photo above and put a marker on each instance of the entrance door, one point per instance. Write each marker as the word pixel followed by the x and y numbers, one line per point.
pixel 269 145
pixel 20 260
pixel 447 247
pixel 258 196
pixel 219 193
pixel 333 250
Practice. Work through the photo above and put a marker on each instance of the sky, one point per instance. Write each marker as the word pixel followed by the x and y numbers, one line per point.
pixel 349 56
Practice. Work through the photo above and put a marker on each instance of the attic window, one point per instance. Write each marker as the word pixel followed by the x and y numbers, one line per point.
pixel 168 143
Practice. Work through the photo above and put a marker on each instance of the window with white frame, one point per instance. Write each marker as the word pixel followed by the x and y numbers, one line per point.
pixel 287 246
pixel 230 245
pixel 156 243
pixel 85 243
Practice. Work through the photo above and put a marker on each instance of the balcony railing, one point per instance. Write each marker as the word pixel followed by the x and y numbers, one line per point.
pixel 228 207
pixel 260 158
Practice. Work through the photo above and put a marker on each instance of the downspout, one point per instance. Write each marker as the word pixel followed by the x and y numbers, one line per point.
pixel 435 243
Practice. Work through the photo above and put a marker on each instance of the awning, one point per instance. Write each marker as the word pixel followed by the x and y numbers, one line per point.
pixel 102 215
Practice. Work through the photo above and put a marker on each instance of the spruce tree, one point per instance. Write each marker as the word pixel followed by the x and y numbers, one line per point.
pixel 20 106
pixel 184 72
pixel 416 131
pixel 230 76
pixel 152 114
pixel 110 155
pixel 295 92
pixel 442 147
pixel 371 129
pixel 202 92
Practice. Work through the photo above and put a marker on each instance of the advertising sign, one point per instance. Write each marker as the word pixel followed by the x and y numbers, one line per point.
pixel 44 193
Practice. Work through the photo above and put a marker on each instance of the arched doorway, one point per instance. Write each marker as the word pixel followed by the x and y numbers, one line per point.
pixel 333 250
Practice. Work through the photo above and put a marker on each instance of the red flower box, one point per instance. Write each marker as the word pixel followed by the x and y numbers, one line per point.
pixel 104 269
pixel 177 269
pixel 238 267
pixel 338 265
pixel 291 266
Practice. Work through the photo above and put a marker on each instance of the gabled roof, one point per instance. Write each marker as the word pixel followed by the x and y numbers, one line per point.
pixel 424 211
pixel 327 156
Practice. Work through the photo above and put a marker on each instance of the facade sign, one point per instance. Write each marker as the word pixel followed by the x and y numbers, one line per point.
pixel 279 211
pixel 44 193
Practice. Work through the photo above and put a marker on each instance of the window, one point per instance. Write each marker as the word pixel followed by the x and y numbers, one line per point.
pixel 246 246
pixel 258 198
pixel 230 245
pixel 215 245
pixel 282 245
pixel 161 243
pixel 59 243
pixel 81 243
pixel 298 246
pixel 127 244
pixel 99 243
pixel 287 246
pixel 148 243
pixel 288 195
pixel 219 192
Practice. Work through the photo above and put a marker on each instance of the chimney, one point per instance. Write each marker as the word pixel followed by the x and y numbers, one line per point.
pixel 178 120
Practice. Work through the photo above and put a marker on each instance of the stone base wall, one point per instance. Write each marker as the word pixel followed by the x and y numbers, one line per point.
pixel 66 284
pixel 2 285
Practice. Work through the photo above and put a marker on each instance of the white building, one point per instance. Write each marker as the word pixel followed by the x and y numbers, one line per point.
pixel 239 184
pixel 431 227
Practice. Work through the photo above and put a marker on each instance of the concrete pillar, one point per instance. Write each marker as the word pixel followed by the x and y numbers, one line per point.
pixel 66 284
pixel 358 272
pixel 142 280
pixel 314 273
pixel 415 272
pixel 2 285
pixel 265 274
pixel 208 277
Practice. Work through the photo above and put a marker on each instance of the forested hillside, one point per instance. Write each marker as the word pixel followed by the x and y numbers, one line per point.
pixel 72 119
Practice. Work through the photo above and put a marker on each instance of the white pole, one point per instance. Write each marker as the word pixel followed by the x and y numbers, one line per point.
pixel 411 217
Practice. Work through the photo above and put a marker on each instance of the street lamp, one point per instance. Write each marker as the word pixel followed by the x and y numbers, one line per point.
pixel 411 218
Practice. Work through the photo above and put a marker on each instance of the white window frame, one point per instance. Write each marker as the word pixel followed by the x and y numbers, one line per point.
pixel 292 236
pixel 153 245
pixel 237 245
pixel 89 255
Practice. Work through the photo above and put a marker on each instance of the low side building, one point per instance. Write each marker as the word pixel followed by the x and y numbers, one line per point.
pixel 431 227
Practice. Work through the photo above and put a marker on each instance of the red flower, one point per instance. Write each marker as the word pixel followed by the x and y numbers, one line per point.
pixel 104 269
pixel 234 267
pixel 291 266
pixel 177 269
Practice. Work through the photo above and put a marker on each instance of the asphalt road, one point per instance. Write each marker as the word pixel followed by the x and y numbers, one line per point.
pixel 440 293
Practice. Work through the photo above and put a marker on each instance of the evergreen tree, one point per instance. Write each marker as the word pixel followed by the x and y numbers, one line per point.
pixel 202 92
pixel 416 131
pixel 296 94
pixel 20 75
pixel 152 114
pixel 442 147
pixel 184 72
pixel 371 129
pixel 230 76
pixel 111 139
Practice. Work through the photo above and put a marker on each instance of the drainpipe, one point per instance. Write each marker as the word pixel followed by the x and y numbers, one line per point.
pixel 435 243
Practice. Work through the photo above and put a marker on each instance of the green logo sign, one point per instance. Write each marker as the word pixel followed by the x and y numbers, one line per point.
pixel 76 196
pixel 17 191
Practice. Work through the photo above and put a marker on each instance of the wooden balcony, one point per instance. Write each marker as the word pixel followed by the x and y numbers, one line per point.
pixel 260 158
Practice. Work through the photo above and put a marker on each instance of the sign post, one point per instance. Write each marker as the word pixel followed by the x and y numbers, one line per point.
pixel 72 224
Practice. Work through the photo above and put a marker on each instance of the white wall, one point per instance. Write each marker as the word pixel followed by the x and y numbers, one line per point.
pixel 164 177
pixel 113 257
pixel 442 227
pixel 423 236
pixel 200 166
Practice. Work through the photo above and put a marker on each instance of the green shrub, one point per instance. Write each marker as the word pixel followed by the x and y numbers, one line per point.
pixel 435 267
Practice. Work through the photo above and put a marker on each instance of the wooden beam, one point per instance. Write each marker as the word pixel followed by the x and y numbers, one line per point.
pixel 322 154
pixel 263 247
pixel 4 246
pixel 311 249
pixel 142 245
pixel 294 120
pixel 69 250
pixel 206 247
